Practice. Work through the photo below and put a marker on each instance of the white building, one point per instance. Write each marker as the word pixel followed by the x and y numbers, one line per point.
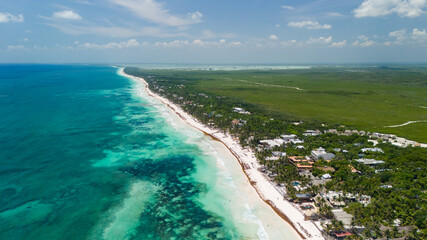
pixel 326 176
pixel 279 154
pixel 297 141
pixel 369 162
pixel 321 153
pixel 312 133
pixel 273 142
pixel 240 110
pixel 288 137
pixel 372 150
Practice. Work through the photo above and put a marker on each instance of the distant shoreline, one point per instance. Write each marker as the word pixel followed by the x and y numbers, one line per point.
pixel 266 190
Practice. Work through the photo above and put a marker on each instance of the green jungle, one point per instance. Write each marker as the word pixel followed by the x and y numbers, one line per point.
pixel 365 98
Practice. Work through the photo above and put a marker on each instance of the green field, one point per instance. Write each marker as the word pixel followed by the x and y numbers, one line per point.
pixel 366 98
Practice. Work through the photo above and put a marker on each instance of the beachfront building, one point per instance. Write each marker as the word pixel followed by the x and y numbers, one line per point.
pixel 321 153
pixel 238 122
pixel 273 142
pixel 303 197
pixel 341 235
pixel 279 154
pixel 344 217
pixel 301 163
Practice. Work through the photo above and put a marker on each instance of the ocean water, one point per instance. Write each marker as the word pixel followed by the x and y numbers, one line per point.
pixel 86 154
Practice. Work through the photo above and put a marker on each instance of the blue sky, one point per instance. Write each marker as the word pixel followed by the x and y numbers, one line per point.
pixel 206 31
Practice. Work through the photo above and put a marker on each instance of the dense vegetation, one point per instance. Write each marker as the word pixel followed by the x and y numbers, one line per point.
pixel 209 97
pixel 367 98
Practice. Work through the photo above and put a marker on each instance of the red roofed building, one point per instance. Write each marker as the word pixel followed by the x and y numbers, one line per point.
pixel 342 235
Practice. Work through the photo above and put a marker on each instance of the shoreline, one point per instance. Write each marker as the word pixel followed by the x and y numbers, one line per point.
pixel 265 189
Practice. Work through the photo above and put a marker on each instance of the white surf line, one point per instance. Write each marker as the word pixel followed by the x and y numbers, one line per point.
pixel 271 85
pixel 407 123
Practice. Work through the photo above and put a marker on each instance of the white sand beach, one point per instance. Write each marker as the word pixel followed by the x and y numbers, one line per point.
pixel 266 190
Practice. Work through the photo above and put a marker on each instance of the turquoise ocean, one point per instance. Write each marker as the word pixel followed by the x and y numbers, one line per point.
pixel 86 154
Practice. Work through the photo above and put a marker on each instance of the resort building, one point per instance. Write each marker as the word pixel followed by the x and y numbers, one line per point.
pixel 296 141
pixel 289 137
pixel 320 153
pixel 279 154
pixel 272 142
pixel 353 170
pixel 369 162
pixel 326 176
pixel 240 110
pixel 301 163
pixel 312 133
pixel 372 150
pixel 333 131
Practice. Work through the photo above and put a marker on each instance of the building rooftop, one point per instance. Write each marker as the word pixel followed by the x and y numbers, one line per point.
pixel 303 196
pixel 342 216
pixel 369 161
pixel 372 150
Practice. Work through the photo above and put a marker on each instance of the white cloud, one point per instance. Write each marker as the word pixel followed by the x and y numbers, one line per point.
pixel 195 16
pixel 83 2
pixel 363 43
pixel 112 45
pixel 196 43
pixel 418 35
pixel 363 37
pixel 7 17
pixel 403 8
pixel 309 25
pixel 367 43
pixel 117 32
pixel 277 25
pixel 175 43
pixel 208 34
pixel 400 35
pixel 289 43
pixel 320 40
pixel 339 44
pixel 273 37
pixel 67 14
pixel 16 47
pixel 156 13
pixel 334 14
pixel 287 7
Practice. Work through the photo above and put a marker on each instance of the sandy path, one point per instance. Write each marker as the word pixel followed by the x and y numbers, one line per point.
pixel 407 123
